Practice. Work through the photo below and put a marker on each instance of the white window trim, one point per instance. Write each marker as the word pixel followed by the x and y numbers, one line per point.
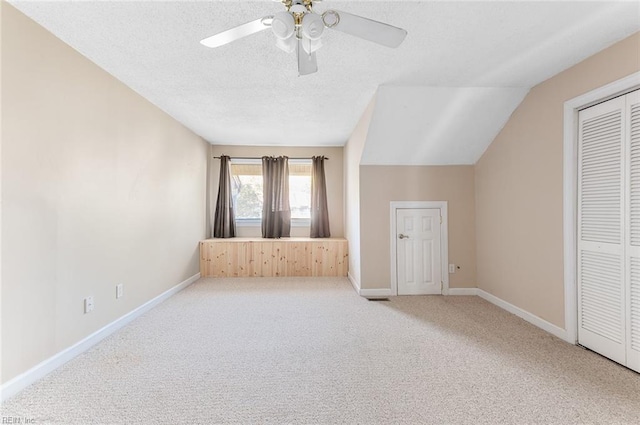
pixel 248 222
pixel 300 222
pixel 256 222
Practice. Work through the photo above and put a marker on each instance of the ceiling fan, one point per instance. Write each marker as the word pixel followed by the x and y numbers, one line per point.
pixel 300 28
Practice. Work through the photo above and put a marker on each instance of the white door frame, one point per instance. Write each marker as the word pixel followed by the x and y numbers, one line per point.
pixel 570 191
pixel 444 239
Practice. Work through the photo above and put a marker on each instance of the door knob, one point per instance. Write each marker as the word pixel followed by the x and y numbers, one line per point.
pixel 401 236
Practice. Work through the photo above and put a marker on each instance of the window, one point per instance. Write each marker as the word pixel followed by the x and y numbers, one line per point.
pixel 246 178
pixel 246 190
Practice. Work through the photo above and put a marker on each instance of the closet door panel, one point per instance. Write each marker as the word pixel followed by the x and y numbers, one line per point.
pixel 601 260
pixel 632 124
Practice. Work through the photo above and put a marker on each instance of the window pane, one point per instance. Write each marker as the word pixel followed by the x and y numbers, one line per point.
pixel 247 196
pixel 247 189
pixel 300 196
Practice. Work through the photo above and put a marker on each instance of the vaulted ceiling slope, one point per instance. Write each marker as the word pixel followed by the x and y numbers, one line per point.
pixel 436 125
pixel 248 92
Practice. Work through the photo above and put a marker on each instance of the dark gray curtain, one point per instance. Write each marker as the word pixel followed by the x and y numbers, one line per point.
pixel 276 212
pixel 224 223
pixel 319 208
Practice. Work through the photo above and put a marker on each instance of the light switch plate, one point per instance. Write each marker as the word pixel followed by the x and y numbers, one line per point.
pixel 88 304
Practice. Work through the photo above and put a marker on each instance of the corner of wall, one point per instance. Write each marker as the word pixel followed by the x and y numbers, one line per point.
pixel 352 154
pixel 209 195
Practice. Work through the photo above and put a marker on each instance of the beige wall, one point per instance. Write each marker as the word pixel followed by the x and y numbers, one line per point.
pixel 333 175
pixel 379 185
pixel 352 155
pixel 519 188
pixel 99 187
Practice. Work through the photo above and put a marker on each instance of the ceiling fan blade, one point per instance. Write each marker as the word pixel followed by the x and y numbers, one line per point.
pixel 368 29
pixel 236 33
pixel 306 62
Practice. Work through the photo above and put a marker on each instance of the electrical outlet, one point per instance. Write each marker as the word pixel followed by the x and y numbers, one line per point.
pixel 119 290
pixel 88 305
pixel 452 268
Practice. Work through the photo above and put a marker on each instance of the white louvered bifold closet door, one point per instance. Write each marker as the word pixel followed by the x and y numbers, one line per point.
pixel 633 224
pixel 609 229
pixel 601 271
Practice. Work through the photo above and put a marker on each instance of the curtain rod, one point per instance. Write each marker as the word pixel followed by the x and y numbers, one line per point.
pixel 259 157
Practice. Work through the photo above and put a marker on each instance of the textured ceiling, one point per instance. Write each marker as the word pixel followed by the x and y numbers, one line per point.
pixel 248 92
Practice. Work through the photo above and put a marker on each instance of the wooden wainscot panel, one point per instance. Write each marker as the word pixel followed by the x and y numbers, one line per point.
pixel 204 259
pixel 298 259
pixel 221 256
pixel 245 257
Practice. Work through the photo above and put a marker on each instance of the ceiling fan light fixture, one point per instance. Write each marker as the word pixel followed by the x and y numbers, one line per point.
pixel 300 29
pixel 283 25
pixel 298 8
pixel 312 26
pixel 288 44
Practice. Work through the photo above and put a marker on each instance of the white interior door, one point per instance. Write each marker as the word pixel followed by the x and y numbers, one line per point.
pixel 601 268
pixel 418 262
pixel 609 229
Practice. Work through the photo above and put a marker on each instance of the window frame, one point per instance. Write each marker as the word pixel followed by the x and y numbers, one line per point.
pixel 257 222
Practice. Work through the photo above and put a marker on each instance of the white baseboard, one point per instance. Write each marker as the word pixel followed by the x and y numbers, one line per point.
pixel 368 293
pixel 354 282
pixel 20 382
pixel 531 318
pixel 523 314
pixel 463 291
pixel 376 293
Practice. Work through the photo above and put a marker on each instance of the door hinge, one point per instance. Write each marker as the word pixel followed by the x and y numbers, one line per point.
pixel 440 219
pixel 441 286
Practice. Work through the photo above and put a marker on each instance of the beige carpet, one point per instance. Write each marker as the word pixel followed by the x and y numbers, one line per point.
pixel 310 351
